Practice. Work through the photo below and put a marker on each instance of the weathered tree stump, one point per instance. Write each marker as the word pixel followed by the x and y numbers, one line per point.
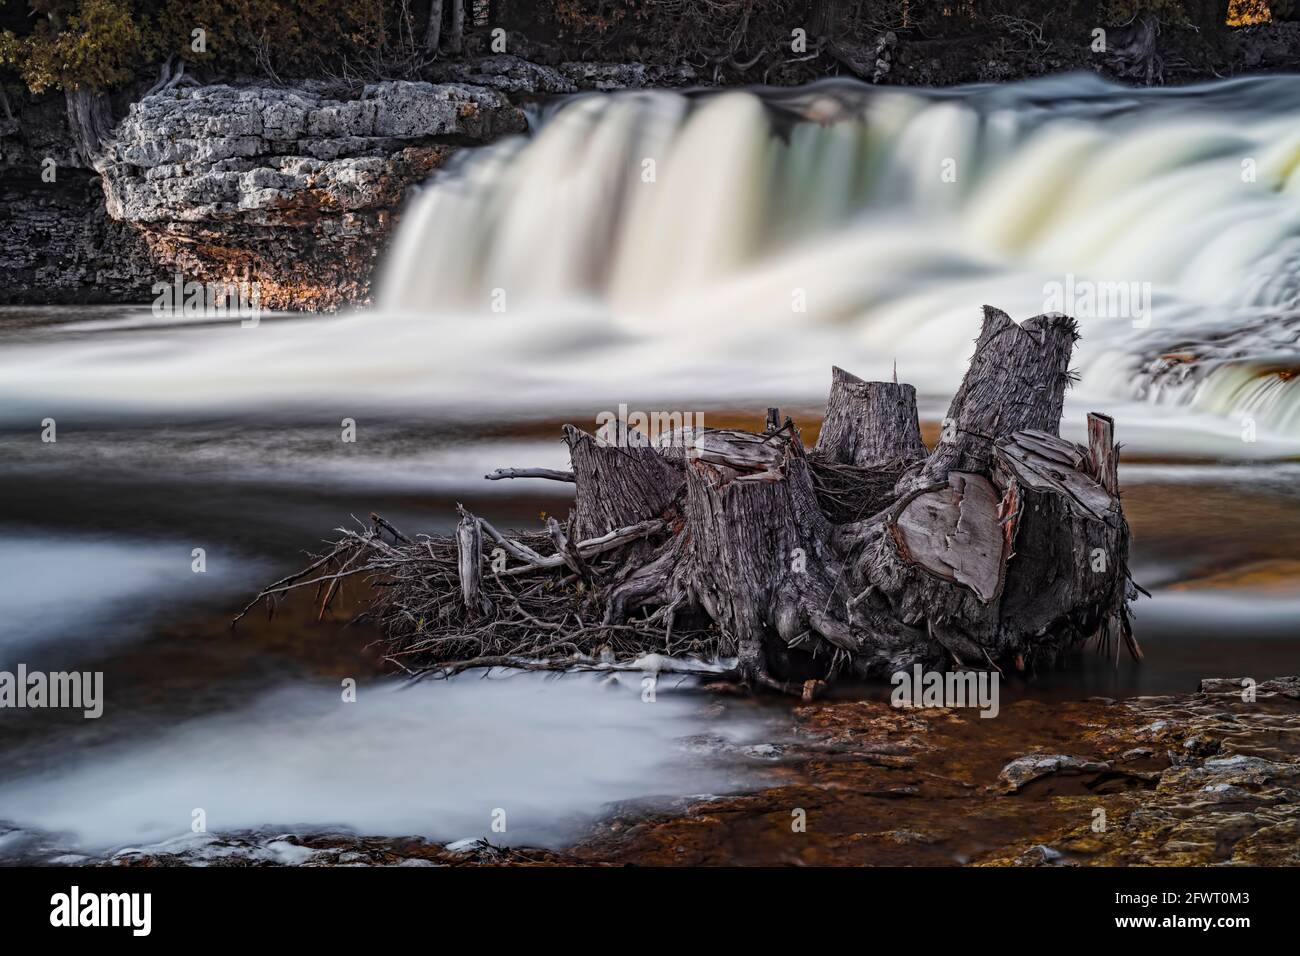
pixel 999 548
pixel 870 424
pixel 620 480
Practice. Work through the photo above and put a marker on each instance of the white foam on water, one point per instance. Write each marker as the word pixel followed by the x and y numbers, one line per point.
pixel 434 759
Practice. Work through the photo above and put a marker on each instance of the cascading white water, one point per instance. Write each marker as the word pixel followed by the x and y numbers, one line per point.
pixel 728 247
pixel 890 216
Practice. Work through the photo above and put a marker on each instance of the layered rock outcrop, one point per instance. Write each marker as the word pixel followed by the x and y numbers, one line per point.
pixel 290 189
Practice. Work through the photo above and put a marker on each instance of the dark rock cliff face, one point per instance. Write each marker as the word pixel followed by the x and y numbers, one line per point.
pixel 57 243
pixel 60 245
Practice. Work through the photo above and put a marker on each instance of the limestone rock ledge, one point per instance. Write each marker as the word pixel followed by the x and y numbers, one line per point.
pixel 288 188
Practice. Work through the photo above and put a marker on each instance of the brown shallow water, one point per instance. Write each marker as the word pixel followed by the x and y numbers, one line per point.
pixel 1190 779
pixel 1215 544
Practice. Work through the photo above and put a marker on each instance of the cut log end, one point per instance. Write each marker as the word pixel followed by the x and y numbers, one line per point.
pixel 954 533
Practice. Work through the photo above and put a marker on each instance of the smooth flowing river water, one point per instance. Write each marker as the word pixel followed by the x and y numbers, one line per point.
pixel 553 277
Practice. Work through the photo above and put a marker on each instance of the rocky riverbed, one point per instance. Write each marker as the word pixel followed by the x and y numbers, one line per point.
pixel 1197 779
pixel 1203 778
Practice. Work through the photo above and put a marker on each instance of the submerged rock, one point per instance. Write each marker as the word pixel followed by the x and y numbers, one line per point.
pixel 1041 855
pixel 268 847
pixel 1023 770
pixel 1232 797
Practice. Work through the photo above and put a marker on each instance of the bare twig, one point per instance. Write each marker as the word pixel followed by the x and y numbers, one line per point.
pixel 549 473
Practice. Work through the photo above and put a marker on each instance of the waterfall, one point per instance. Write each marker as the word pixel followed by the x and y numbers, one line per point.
pixel 728 247
pixel 890 216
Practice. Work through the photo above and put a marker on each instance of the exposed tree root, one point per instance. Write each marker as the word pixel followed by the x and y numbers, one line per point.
pixel 748 557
